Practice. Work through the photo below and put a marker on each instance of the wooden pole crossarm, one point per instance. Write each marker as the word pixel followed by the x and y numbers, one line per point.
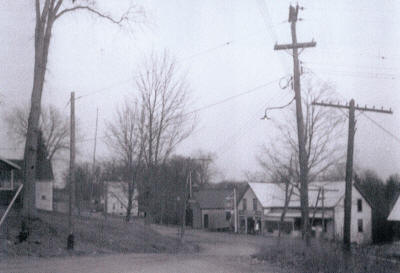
pixel 292 46
pixel 364 109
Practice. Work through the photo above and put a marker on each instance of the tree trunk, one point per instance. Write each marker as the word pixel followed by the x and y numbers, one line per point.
pixel 42 43
pixel 131 189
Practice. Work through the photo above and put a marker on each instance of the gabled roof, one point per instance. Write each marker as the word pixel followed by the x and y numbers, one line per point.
pixel 273 194
pixel 213 199
pixel 10 163
pixel 395 212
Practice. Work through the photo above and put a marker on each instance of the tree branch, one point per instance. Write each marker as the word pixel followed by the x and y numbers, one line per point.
pixel 123 18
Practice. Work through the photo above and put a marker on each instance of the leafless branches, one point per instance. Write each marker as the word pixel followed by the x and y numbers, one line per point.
pixel 163 96
pixel 134 13
pixel 322 134
pixel 53 125
pixel 126 139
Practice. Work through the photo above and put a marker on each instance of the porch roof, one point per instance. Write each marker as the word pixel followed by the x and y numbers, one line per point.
pixel 10 163
pixel 273 194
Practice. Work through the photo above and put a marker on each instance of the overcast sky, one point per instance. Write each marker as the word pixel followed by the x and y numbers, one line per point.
pixel 226 48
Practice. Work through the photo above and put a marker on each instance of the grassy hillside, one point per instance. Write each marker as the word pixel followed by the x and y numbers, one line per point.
pixel 48 237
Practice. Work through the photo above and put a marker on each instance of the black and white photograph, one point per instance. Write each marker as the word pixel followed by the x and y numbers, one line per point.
pixel 199 136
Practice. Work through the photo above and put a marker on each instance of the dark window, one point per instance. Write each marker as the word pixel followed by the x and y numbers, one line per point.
pixel 227 215
pixel 244 204
pixel 360 225
pixel 254 204
pixel 359 205
pixel 43 197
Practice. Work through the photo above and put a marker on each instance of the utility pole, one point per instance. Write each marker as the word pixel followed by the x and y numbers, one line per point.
pixel 323 211
pixel 349 161
pixel 94 156
pixel 235 209
pixel 293 12
pixel 70 240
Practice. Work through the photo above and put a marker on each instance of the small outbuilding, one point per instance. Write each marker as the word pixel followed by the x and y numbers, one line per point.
pixel 213 209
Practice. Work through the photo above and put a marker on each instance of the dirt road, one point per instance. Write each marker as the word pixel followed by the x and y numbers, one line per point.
pixel 219 252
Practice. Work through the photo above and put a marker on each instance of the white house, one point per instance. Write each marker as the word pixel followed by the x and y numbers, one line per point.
pixel 263 203
pixel 117 198
pixel 395 212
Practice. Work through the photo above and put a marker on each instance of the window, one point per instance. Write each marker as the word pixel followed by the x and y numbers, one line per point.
pixel 359 205
pixel 254 204
pixel 360 225
pixel 43 197
pixel 244 204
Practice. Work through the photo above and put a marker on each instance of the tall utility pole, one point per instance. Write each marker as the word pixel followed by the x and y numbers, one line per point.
pixel 94 156
pixel 70 240
pixel 293 12
pixel 235 210
pixel 349 161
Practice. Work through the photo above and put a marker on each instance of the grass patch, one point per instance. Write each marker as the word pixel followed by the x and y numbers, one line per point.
pixel 48 237
pixel 293 256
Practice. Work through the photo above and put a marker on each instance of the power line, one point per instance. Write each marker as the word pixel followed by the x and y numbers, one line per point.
pixel 208 50
pixel 232 97
pixel 397 139
pixel 206 106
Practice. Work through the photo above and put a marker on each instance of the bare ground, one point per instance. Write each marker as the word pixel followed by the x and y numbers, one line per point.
pixel 219 252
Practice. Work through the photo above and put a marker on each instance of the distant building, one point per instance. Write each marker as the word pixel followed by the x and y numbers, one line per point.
pixel 117 198
pixel 263 203
pixel 213 209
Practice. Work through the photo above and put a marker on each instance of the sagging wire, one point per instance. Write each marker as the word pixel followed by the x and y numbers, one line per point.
pixel 265 117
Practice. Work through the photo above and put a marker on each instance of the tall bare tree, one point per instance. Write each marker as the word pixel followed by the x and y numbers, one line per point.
pixel 323 134
pixel 53 125
pixel 125 137
pixel 324 148
pixel 47 13
pixel 163 98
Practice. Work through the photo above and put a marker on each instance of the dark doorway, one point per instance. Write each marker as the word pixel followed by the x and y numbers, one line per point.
pixel 250 225
pixel 189 217
pixel 205 221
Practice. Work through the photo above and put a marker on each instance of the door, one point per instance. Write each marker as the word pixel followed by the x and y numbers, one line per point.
pixel 205 222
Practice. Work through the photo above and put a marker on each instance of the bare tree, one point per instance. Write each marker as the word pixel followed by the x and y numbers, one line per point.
pixel 47 13
pixel 323 135
pixel 53 125
pixel 126 139
pixel 163 98
pixel 324 149
pixel 203 168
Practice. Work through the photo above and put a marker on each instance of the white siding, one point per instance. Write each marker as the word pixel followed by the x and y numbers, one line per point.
pixel 44 195
pixel 249 196
pixel 366 216
pixel 117 199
